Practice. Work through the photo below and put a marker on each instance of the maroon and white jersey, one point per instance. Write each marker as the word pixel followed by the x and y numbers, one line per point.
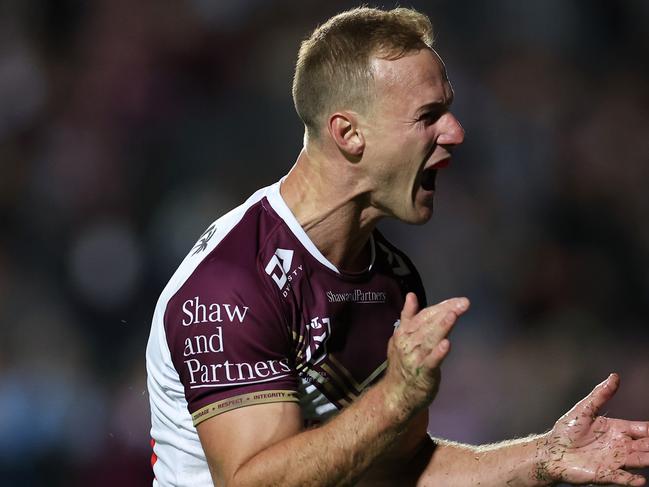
pixel 256 314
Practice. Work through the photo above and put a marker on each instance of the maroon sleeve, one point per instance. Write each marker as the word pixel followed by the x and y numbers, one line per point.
pixel 229 341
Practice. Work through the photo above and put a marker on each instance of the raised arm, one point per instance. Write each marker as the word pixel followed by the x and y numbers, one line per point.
pixel 264 445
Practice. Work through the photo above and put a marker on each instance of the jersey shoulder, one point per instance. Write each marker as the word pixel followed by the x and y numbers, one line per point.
pixel 222 318
pixel 394 261
pixel 230 250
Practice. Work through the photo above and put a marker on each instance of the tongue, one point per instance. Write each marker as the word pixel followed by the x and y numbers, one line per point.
pixel 428 179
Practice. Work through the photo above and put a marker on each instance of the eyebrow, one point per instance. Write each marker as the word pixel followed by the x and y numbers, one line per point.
pixel 434 105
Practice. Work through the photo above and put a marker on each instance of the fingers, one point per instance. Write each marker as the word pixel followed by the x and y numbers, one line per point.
pixel 438 354
pixel 593 402
pixel 432 332
pixel 636 429
pixel 455 305
pixel 640 445
pixel 413 320
pixel 422 335
pixel 637 459
pixel 436 324
pixel 619 477
pixel 410 307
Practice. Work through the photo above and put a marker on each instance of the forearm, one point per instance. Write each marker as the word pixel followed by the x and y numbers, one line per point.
pixel 341 451
pixel 337 453
pixel 515 463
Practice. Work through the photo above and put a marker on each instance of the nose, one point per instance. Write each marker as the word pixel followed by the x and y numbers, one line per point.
pixel 452 132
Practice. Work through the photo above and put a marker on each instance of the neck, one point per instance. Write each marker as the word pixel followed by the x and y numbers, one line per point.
pixel 331 208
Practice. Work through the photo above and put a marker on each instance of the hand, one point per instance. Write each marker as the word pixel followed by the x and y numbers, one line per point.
pixel 417 349
pixel 586 448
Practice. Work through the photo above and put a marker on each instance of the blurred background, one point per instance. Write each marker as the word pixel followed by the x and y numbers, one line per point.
pixel 126 127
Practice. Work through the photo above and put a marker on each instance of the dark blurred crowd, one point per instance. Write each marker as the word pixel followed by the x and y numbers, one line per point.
pixel 126 127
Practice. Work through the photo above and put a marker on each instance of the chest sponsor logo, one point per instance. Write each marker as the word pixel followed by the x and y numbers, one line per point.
pixel 205 350
pixel 357 296
pixel 196 312
pixel 280 269
pixel 216 372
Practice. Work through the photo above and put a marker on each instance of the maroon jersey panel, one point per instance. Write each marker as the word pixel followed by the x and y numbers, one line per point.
pixel 225 331
pixel 265 317
pixel 342 322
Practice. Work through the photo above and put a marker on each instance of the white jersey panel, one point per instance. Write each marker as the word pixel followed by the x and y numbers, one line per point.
pixel 180 458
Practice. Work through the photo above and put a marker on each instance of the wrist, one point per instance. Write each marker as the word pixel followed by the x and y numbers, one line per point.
pixel 394 401
pixel 540 474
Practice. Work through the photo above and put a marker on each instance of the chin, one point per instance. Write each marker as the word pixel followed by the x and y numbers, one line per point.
pixel 424 218
pixel 419 216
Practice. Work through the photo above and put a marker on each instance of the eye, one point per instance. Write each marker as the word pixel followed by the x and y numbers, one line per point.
pixel 431 116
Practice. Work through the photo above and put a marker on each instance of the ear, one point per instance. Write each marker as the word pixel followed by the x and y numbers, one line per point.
pixel 344 130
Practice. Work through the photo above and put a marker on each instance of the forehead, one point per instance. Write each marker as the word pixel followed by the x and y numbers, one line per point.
pixel 412 80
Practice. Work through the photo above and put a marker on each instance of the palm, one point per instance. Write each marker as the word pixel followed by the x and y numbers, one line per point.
pixel 586 448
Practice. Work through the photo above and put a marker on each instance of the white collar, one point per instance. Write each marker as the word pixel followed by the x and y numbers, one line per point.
pixel 281 208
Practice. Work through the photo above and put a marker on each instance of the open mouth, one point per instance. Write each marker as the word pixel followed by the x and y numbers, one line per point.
pixel 429 174
pixel 428 179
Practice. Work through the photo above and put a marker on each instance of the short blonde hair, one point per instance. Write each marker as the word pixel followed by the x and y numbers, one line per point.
pixel 333 65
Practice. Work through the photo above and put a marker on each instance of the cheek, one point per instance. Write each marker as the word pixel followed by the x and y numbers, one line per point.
pixel 429 136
